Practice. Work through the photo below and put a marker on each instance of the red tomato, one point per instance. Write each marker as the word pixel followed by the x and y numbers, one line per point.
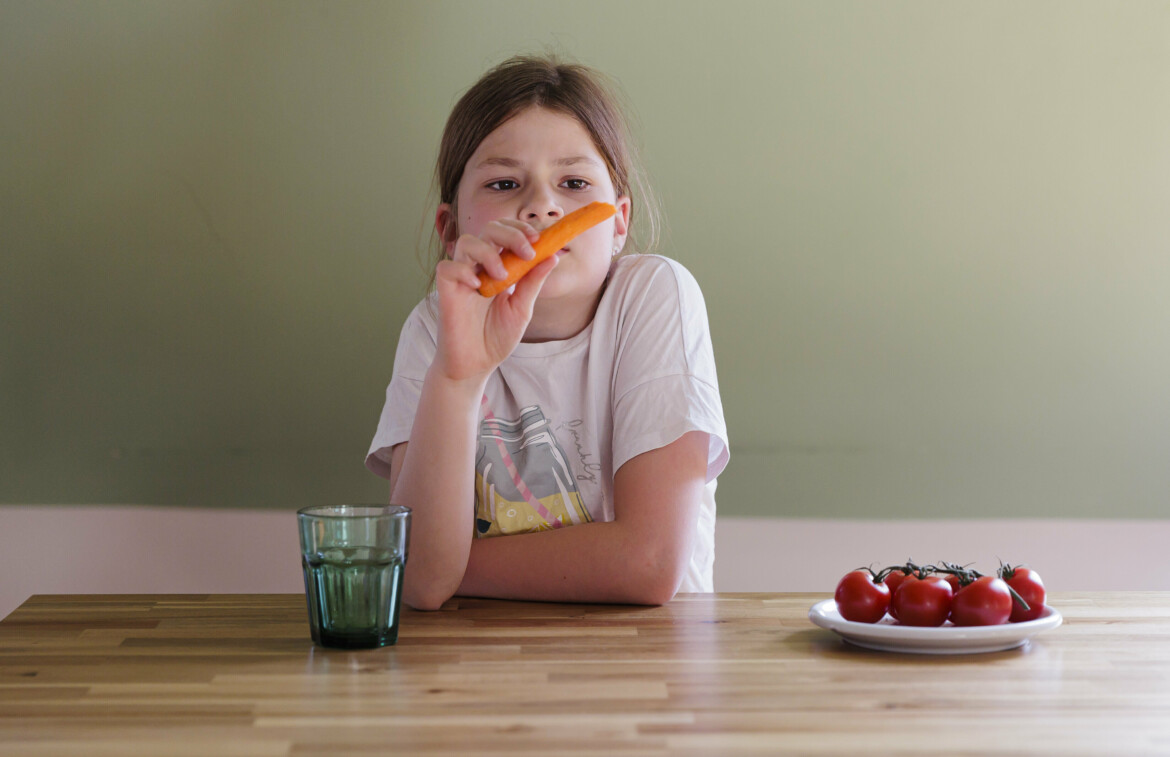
pixel 985 602
pixel 1028 585
pixel 860 599
pixel 953 580
pixel 893 581
pixel 923 602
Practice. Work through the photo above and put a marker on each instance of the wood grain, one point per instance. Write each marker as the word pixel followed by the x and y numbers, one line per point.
pixel 706 674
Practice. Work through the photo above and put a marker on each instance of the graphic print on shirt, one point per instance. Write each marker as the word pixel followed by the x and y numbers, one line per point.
pixel 522 477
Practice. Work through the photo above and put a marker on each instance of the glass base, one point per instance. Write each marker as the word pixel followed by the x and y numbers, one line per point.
pixel 355 641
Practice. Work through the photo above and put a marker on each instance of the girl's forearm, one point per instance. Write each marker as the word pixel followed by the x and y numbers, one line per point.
pixel 433 480
pixel 594 562
pixel 638 558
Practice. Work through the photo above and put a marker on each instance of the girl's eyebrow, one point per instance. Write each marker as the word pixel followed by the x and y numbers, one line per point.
pixel 506 162
pixel 575 160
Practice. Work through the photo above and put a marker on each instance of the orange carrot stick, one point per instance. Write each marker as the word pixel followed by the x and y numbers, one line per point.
pixel 551 240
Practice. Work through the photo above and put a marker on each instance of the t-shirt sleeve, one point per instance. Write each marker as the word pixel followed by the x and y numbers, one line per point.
pixel 416 350
pixel 665 378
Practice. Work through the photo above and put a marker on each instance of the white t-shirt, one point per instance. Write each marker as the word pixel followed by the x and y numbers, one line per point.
pixel 559 418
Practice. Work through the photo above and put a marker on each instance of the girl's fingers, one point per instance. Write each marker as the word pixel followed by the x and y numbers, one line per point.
pixel 527 288
pixel 522 245
pixel 516 236
pixel 485 249
pixel 458 271
pixel 477 251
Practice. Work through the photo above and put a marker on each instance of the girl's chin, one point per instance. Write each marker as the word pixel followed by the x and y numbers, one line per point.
pixel 554 288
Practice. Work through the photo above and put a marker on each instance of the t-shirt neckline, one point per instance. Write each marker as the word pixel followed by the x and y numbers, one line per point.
pixel 554 347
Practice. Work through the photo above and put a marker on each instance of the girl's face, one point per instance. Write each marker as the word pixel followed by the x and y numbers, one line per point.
pixel 536 167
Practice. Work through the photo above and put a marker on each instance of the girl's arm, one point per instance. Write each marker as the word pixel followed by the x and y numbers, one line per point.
pixel 422 477
pixel 430 474
pixel 639 558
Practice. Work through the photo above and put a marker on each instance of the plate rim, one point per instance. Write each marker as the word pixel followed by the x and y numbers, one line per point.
pixel 940 640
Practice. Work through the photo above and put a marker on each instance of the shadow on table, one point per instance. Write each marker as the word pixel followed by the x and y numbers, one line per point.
pixel 819 642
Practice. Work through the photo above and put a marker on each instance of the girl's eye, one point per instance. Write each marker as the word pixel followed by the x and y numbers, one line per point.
pixel 502 185
pixel 575 184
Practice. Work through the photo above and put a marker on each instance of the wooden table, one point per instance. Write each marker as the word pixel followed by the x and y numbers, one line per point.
pixel 706 674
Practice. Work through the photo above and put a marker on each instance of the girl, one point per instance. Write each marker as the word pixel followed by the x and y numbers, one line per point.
pixel 578 414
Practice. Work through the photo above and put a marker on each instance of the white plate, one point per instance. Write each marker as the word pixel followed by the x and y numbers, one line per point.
pixel 888 636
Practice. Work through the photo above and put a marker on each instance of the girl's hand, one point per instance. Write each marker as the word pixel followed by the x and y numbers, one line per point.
pixel 477 333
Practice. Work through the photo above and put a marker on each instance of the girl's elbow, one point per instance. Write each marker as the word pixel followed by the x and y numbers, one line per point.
pixel 426 598
pixel 656 595
pixel 657 585
pixel 424 604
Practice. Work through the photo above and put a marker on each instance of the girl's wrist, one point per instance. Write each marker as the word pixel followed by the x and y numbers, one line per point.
pixel 469 387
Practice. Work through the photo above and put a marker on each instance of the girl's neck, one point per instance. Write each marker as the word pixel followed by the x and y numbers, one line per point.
pixel 561 318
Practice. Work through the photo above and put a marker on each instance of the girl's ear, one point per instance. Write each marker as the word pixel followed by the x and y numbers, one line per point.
pixel 446 227
pixel 621 223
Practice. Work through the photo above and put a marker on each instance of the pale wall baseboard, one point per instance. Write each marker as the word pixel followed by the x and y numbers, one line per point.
pixel 766 554
pixel 144 550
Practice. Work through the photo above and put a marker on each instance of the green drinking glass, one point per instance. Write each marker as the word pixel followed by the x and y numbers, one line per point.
pixel 353 557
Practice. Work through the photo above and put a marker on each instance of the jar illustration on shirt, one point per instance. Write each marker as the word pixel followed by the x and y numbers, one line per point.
pixel 522 477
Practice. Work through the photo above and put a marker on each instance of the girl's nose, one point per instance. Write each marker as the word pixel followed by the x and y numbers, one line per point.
pixel 541 209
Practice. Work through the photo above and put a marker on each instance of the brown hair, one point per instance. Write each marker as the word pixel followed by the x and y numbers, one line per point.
pixel 526 81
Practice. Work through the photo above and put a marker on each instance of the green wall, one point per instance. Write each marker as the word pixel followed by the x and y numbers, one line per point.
pixel 934 239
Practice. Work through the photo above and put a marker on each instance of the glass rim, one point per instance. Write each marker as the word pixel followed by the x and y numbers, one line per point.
pixel 353 511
